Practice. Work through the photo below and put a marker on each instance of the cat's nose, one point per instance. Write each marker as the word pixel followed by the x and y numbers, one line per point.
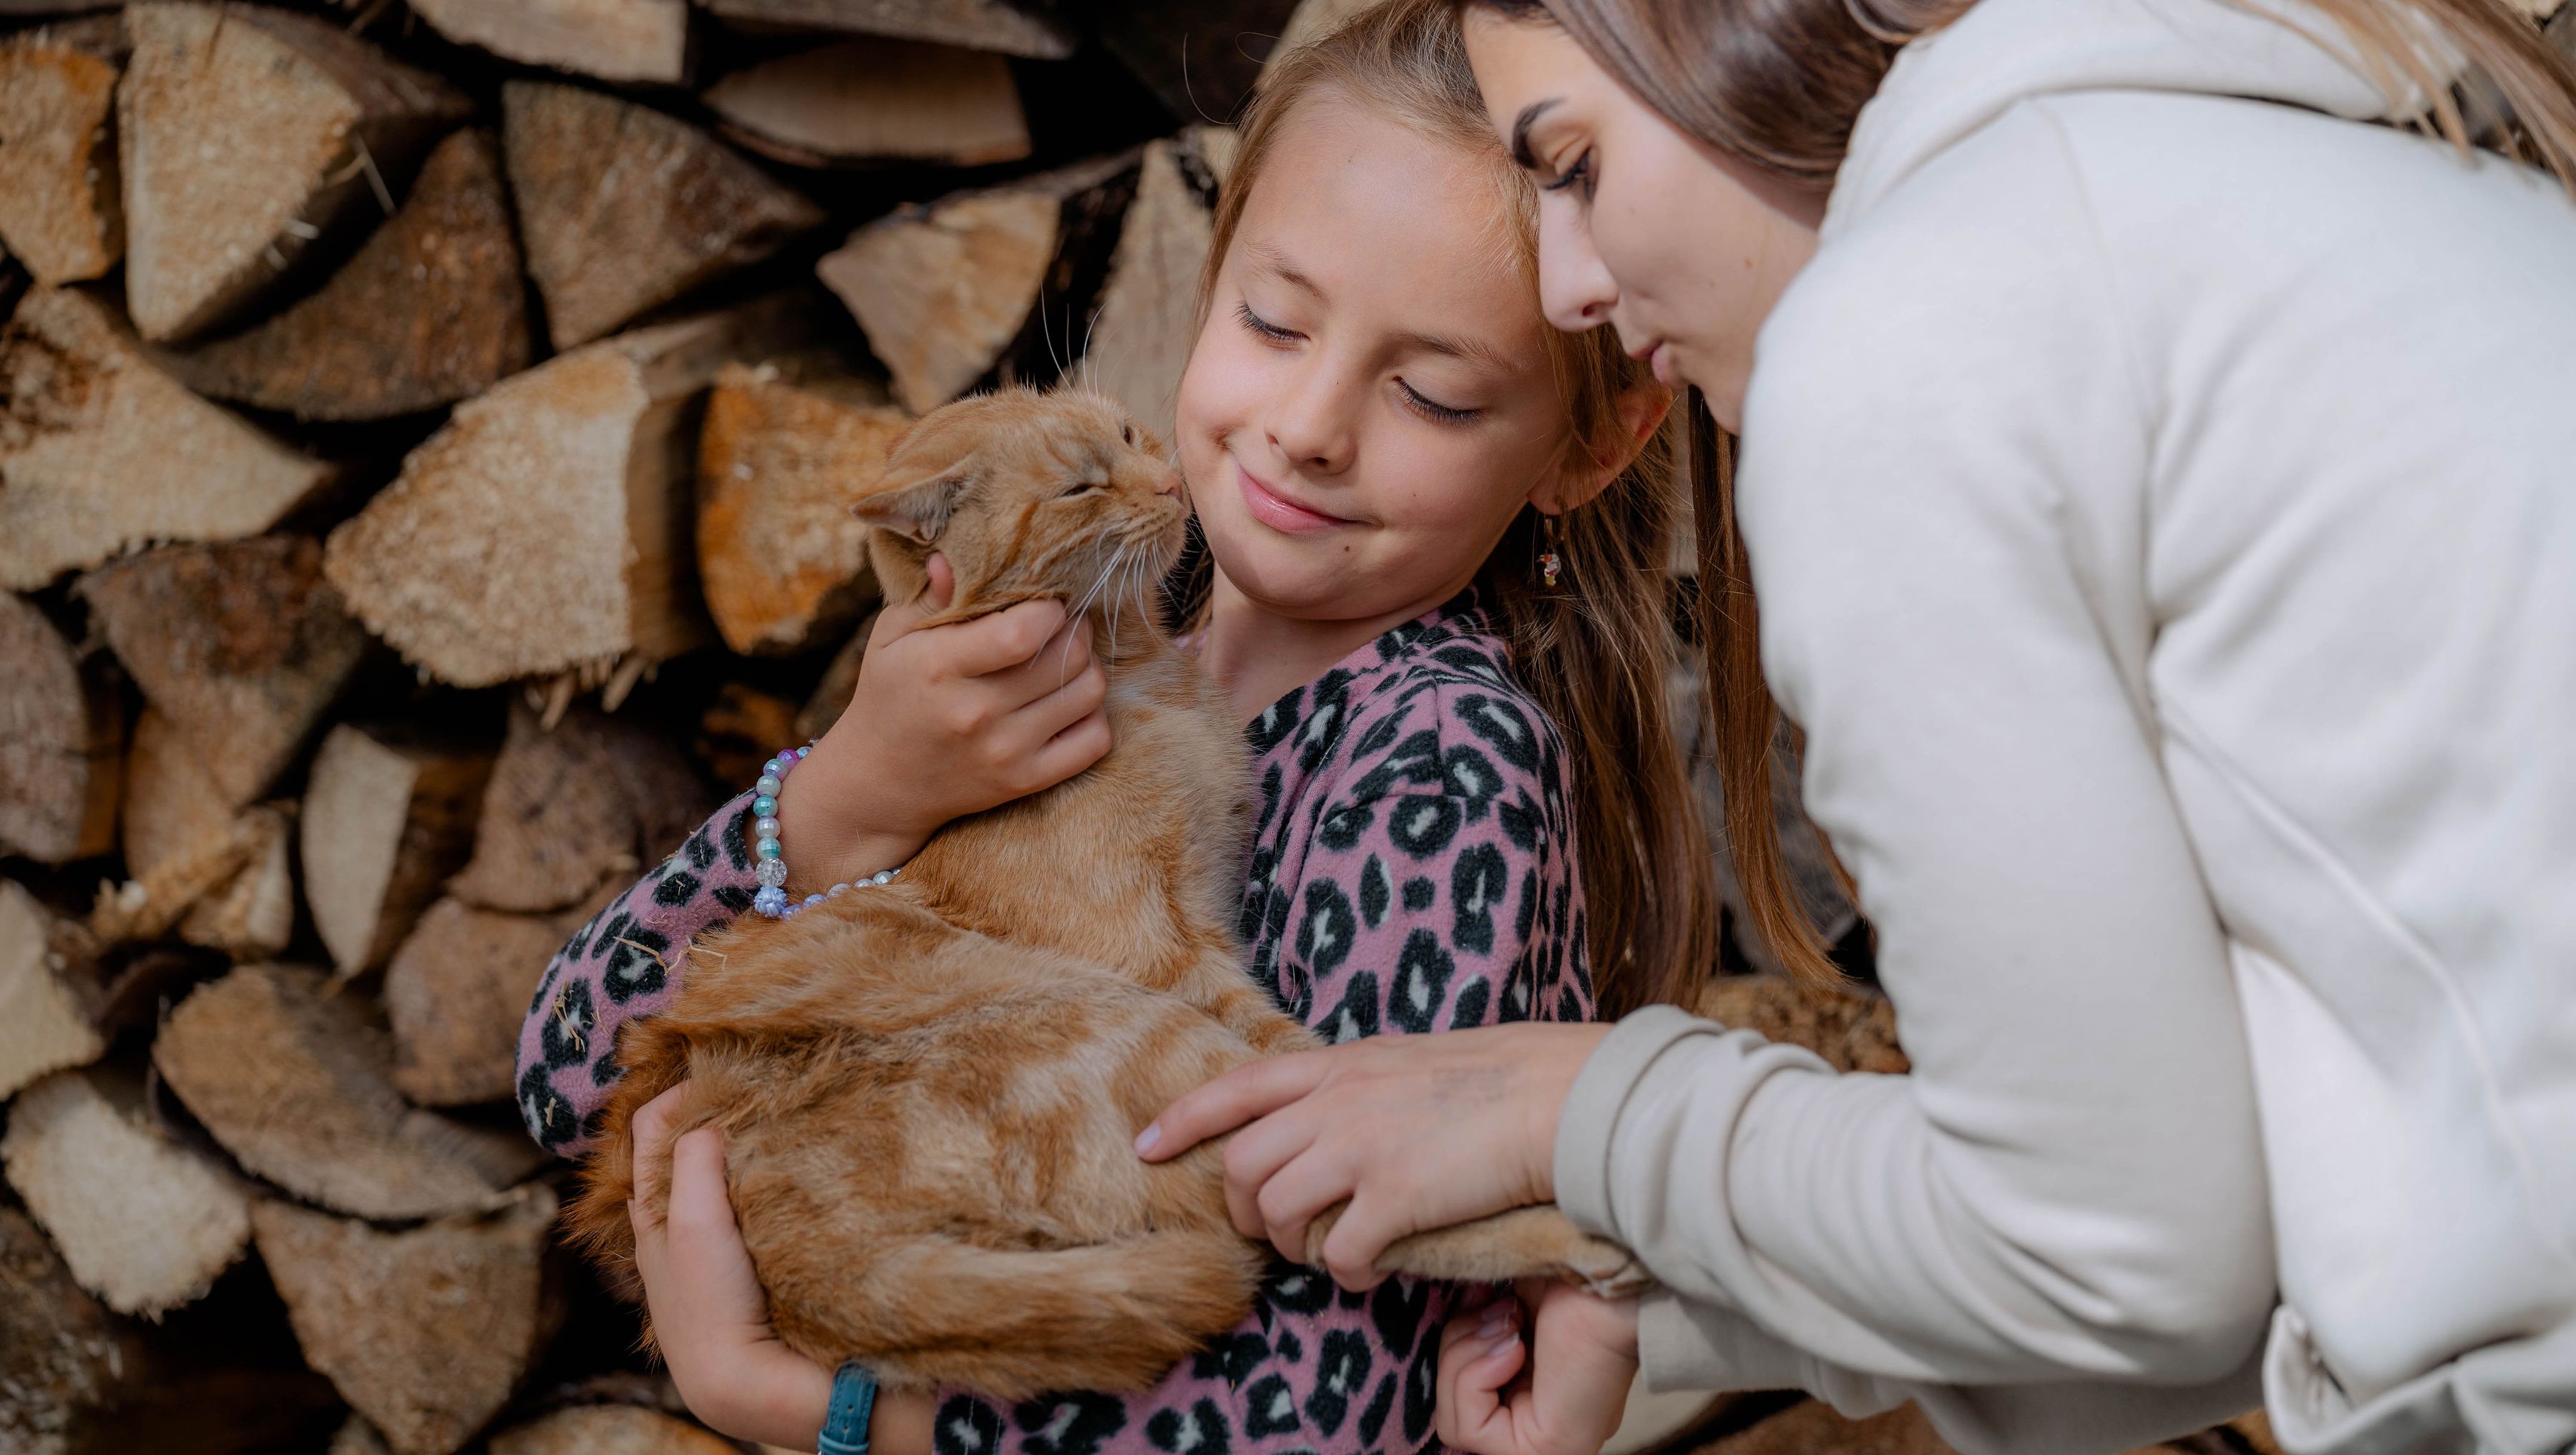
pixel 1168 483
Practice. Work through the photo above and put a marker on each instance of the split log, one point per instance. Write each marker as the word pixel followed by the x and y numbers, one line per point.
pixel 831 696
pixel 62 741
pixel 862 99
pixel 457 991
pixel 240 646
pixel 430 310
pixel 48 1014
pixel 424 1332
pixel 59 208
pixel 247 133
pixel 609 1429
pixel 63 1356
pixel 291 1080
pixel 1201 57
pixel 574 808
pixel 615 40
pixel 1141 336
pixel 943 289
pixel 356 1437
pixel 1852 1029
pixel 101 450
pixel 624 209
pixel 143 1220
pixel 546 527
pixel 53 7
pixel 984 25
pixel 739 732
pixel 385 822
pixel 197 859
pixel 781 558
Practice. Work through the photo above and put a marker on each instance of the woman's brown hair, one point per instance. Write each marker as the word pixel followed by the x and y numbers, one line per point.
pixel 1596 650
pixel 1778 84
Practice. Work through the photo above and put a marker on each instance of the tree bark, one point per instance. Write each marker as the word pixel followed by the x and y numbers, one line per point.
pixel 865 99
pixel 62 741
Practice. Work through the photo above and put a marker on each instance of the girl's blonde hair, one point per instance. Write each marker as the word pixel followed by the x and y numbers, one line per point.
pixel 1596 651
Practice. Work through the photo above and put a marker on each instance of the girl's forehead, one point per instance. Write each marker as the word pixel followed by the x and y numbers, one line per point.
pixel 1363 210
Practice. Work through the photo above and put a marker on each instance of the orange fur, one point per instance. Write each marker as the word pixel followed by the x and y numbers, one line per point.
pixel 929 1089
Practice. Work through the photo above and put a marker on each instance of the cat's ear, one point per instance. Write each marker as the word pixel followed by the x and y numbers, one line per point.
pixel 916 509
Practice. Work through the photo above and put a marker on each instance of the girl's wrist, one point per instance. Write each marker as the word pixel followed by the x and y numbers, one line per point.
pixel 828 833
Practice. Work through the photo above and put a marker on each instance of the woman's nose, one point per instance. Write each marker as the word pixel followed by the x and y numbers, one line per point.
pixel 1575 288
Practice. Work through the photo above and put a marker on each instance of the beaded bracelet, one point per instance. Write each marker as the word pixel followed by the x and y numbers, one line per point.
pixel 771 868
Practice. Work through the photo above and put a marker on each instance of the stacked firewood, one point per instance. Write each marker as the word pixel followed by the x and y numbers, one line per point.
pixel 425 437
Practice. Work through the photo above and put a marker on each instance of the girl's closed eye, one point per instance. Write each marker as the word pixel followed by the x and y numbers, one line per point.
pixel 1263 327
pixel 1432 409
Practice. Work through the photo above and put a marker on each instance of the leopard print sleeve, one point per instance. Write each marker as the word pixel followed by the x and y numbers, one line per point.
pixel 624 964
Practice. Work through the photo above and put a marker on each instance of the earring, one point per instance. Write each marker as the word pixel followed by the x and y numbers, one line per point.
pixel 1549 563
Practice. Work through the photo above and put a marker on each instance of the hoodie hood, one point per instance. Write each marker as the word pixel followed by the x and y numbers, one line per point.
pixel 1948 84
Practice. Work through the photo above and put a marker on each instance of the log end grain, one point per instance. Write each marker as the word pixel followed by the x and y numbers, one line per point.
pixel 1142 334
pixel 429 311
pixel 291 1080
pixel 424 1332
pixel 59 207
pixel 46 1018
pixel 457 991
pixel 384 823
pixel 781 558
pixel 641 41
pixel 102 450
pixel 609 1429
pixel 143 1221
pixel 862 99
pixel 62 739
pixel 942 290
pixel 574 808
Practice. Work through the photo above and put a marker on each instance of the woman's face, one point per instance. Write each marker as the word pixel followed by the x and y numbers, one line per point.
pixel 1370 401
pixel 1640 227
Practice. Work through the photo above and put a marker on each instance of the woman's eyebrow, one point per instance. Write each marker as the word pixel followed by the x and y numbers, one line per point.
pixel 1521 125
pixel 1461 346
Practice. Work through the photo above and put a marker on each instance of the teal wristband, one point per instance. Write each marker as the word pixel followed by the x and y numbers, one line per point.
pixel 854 1398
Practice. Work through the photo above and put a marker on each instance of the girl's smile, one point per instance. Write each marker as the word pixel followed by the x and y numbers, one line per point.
pixel 1272 507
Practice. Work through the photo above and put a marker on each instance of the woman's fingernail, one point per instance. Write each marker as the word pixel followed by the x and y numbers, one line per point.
pixel 1496 1319
pixel 1146 1139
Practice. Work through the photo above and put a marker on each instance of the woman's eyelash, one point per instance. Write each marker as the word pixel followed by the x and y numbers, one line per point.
pixel 1260 325
pixel 1580 172
pixel 1431 409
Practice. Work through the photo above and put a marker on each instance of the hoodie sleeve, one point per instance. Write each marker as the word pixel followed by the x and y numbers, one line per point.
pixel 1944 490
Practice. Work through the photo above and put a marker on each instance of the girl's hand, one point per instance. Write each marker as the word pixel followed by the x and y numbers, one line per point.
pixel 711 1319
pixel 1559 1389
pixel 1415 1132
pixel 946 721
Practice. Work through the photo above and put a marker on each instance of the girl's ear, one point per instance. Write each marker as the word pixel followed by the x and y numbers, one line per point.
pixel 1641 408
pixel 916 507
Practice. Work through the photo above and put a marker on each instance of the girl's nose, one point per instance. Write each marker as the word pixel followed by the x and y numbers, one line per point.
pixel 1575 288
pixel 1310 421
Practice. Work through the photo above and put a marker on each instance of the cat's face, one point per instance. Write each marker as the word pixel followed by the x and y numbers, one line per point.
pixel 1028 495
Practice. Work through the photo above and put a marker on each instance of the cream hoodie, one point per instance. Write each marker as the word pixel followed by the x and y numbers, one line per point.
pixel 2161 489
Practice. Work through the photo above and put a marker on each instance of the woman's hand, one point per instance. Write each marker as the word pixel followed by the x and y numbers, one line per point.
pixel 1559 1389
pixel 945 721
pixel 1415 1132
pixel 711 1319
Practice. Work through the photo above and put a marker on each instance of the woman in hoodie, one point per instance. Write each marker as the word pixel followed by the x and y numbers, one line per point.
pixel 2159 483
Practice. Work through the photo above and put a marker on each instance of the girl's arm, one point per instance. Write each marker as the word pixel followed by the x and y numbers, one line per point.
pixel 958 718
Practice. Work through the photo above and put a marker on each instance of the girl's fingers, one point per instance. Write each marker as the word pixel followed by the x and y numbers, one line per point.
pixel 1480 1355
pixel 1352 1248
pixel 1006 639
pixel 648 1138
pixel 1254 1089
pixel 1069 752
pixel 1039 720
pixel 1291 1197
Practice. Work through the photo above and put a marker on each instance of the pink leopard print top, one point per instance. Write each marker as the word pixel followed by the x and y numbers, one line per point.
pixel 1412 869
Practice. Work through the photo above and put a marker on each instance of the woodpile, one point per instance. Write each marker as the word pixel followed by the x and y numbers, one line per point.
pixel 426 432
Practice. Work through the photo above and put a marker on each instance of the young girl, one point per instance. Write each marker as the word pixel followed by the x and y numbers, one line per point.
pixel 1436 530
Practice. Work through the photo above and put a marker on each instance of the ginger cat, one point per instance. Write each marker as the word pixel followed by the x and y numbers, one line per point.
pixel 929 1089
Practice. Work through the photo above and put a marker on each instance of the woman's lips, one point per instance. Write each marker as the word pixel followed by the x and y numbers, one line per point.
pixel 1279 512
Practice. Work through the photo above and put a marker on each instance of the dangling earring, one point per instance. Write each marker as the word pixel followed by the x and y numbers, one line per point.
pixel 1549 563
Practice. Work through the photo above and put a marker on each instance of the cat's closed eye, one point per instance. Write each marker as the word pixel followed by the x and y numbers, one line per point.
pixel 1078 487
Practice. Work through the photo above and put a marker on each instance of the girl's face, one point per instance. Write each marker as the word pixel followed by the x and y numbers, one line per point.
pixel 1370 401
pixel 1684 251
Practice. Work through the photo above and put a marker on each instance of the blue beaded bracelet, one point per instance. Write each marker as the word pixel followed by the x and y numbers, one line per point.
pixel 854 1398
pixel 770 864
